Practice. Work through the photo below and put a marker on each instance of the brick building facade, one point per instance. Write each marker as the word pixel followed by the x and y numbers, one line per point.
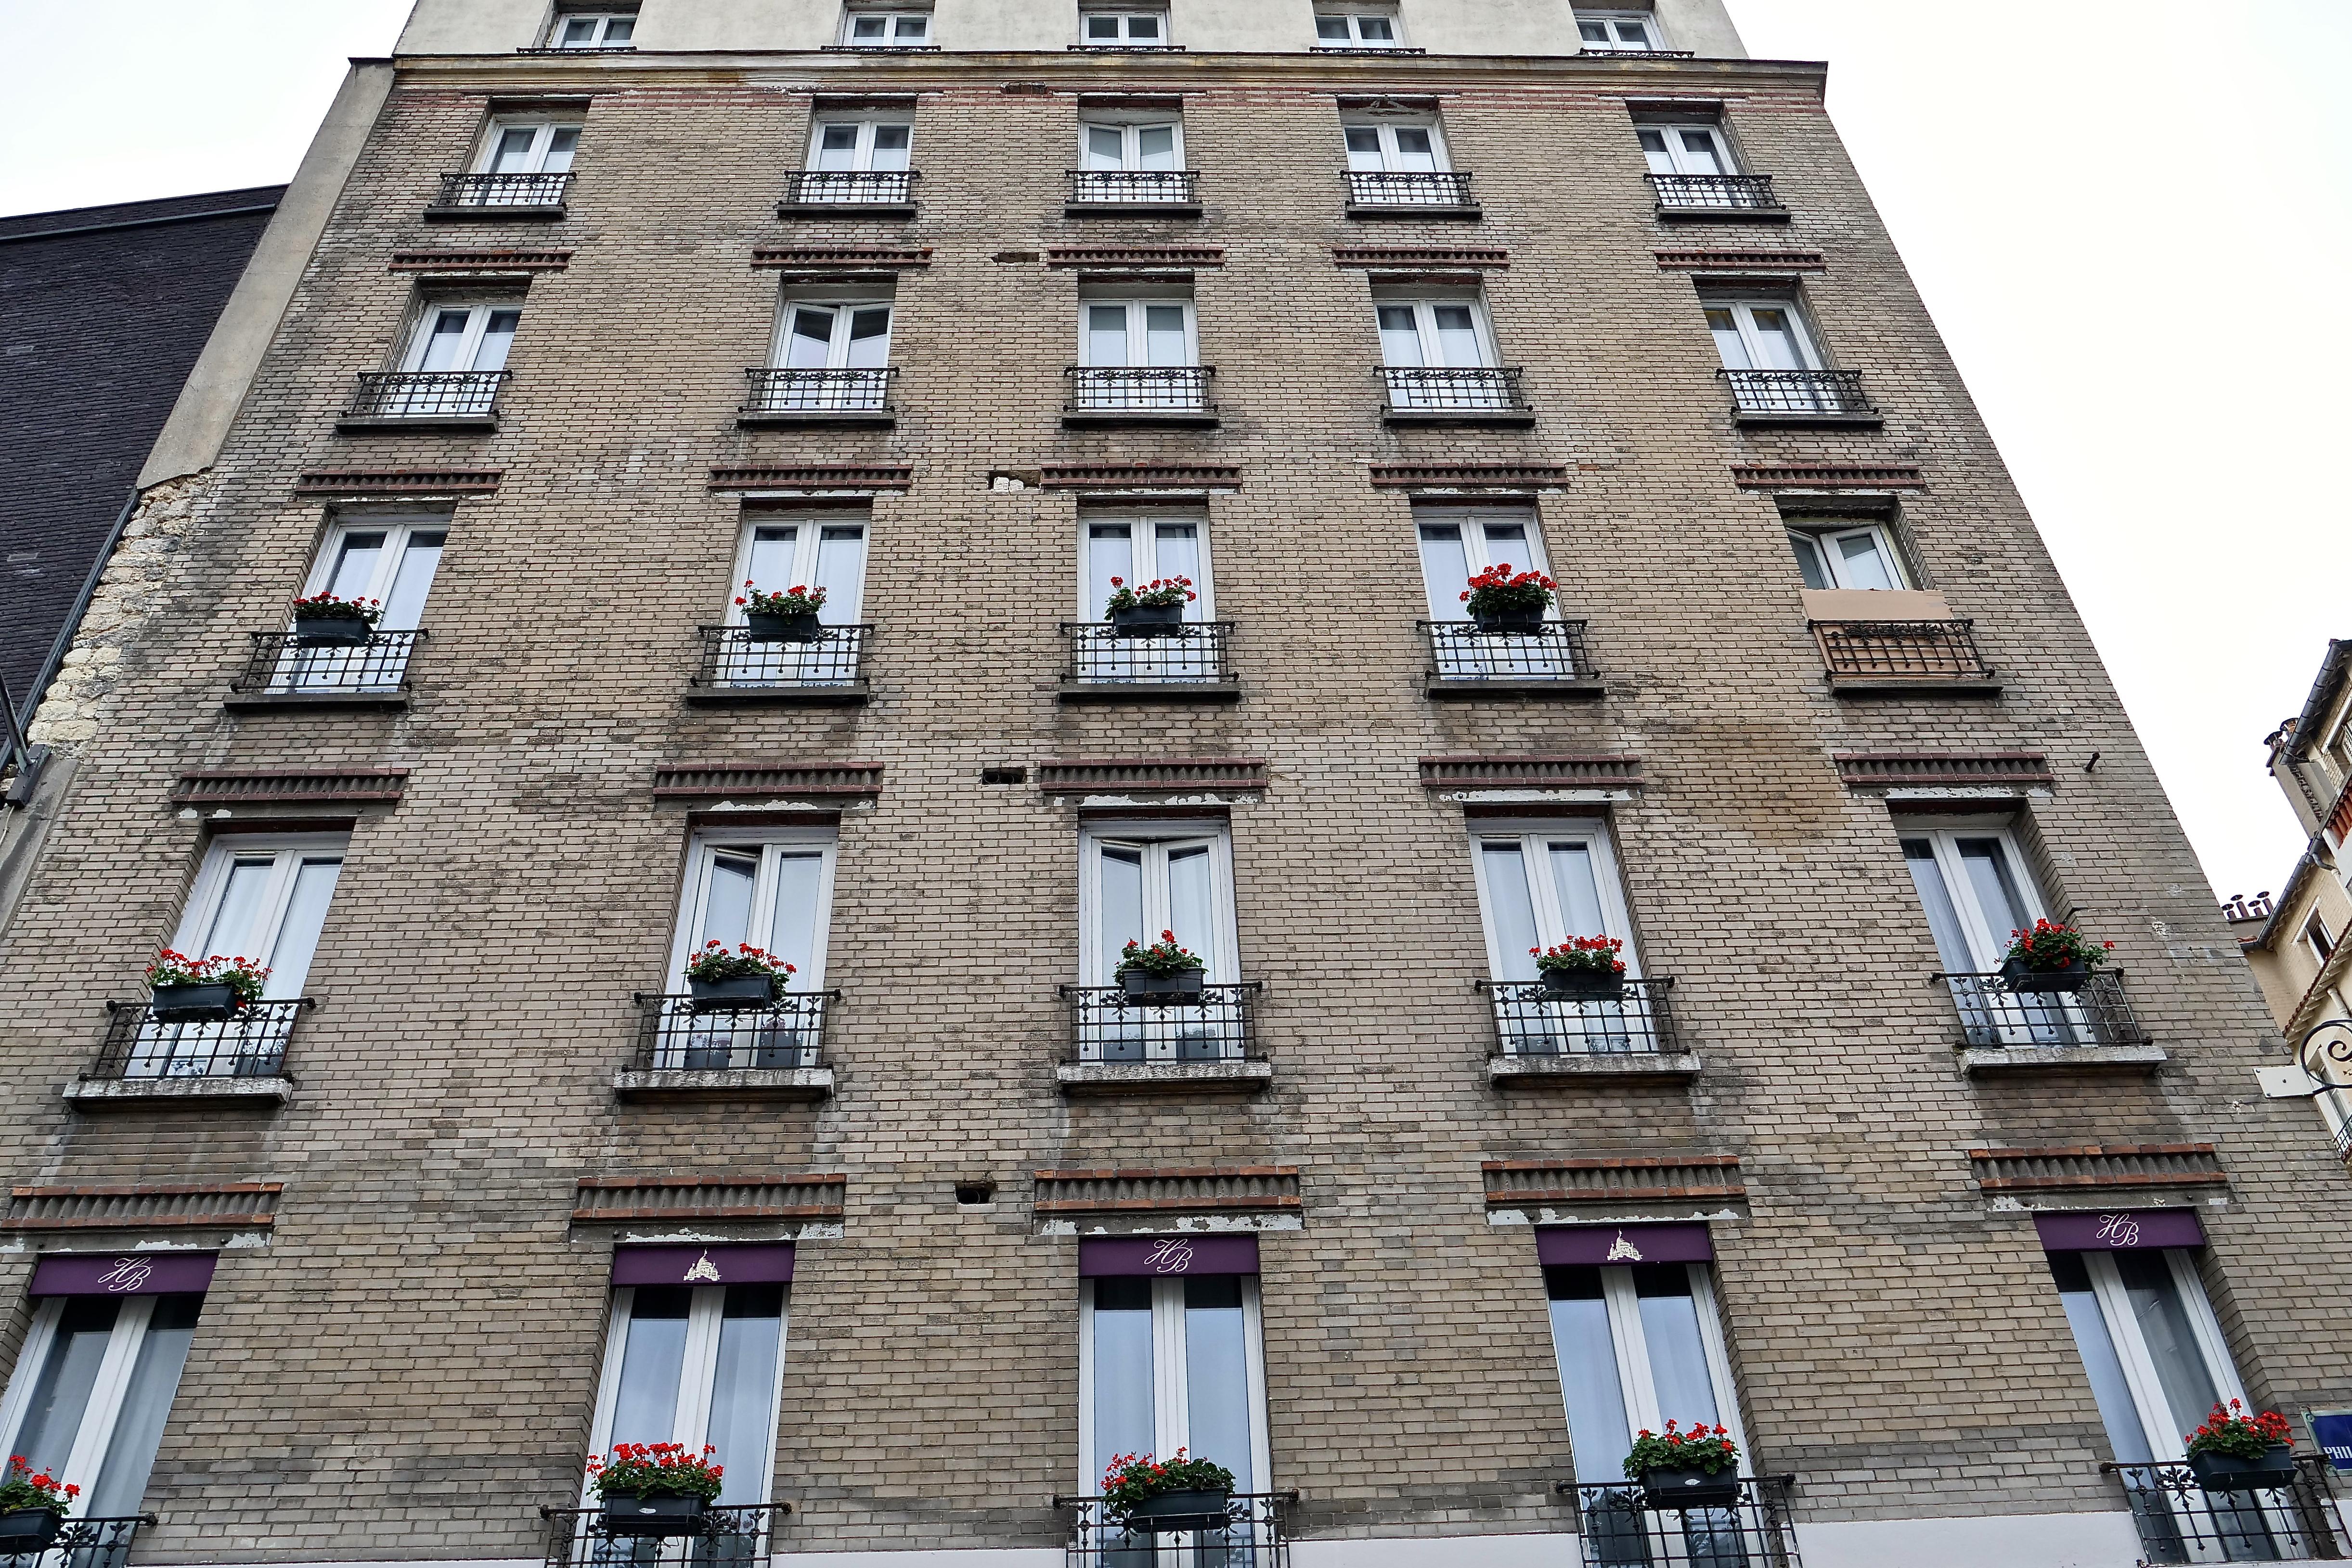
pixel 1323 309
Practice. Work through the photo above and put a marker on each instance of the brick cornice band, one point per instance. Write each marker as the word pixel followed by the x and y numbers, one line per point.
pixel 1739 260
pixel 628 1199
pixel 1170 773
pixel 1194 1188
pixel 1119 256
pixel 1469 476
pixel 816 476
pixel 143 1205
pixel 1512 1181
pixel 891 258
pixel 480 260
pixel 1530 772
pixel 710 780
pixel 1928 770
pixel 1139 476
pixel 1421 257
pixel 2119 1165
pixel 1825 477
pixel 287 786
pixel 361 483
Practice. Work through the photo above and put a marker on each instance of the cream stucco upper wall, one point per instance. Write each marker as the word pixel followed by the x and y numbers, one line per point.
pixel 1441 26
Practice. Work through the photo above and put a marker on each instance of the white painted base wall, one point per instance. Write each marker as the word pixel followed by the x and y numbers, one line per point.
pixel 1982 1540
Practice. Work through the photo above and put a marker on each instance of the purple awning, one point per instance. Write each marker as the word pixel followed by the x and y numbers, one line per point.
pixel 1598 1244
pixel 123 1274
pixel 2119 1229
pixel 756 1263
pixel 1129 1255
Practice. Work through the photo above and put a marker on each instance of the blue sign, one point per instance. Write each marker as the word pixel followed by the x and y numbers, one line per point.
pixel 2332 1433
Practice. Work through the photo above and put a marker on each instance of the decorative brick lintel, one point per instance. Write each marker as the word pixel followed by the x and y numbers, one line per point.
pixel 1178 1189
pixel 1139 476
pixel 1164 1172
pixel 2067 1168
pixel 365 482
pixel 253 787
pixel 892 256
pixel 1825 477
pixel 633 1199
pixel 238 1205
pixel 1530 772
pixel 1884 770
pixel 1469 476
pixel 1117 255
pixel 816 476
pixel 710 780
pixel 1740 260
pixel 1419 257
pixel 480 260
pixel 1153 774
pixel 1511 1182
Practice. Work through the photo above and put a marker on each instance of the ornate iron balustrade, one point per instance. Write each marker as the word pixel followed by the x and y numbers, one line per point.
pixel 1364 49
pixel 1217 1025
pixel 673 1038
pixel 728 1537
pixel 1638 49
pixel 733 660
pixel 1932 650
pixel 87 1544
pixel 1831 393
pixel 282 665
pixel 850 187
pixel 1255 1534
pixel 787 392
pixel 1409 188
pixel 1459 650
pixel 427 394
pixel 2180 1521
pixel 1198 652
pixel 250 1043
pixel 1747 192
pixel 1139 389
pixel 1532 1021
pixel 503 190
pixel 1994 1015
pixel 1427 389
pixel 1116 187
pixel 1621 1531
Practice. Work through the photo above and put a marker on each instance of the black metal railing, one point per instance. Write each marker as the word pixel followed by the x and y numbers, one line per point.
pixel 1994 1015
pixel 1364 49
pixel 734 660
pixel 1127 48
pixel 1621 1531
pixel 1554 651
pixel 1139 389
pixel 1254 1533
pixel 727 1537
pixel 282 665
pixel 1530 1021
pixel 503 190
pixel 1592 48
pixel 1425 390
pixel 1197 653
pixel 673 1038
pixel 426 395
pixel 1748 193
pixel 1218 1024
pixel 85 1543
pixel 1173 187
pixel 788 392
pixel 2180 1521
pixel 850 187
pixel 1933 650
pixel 249 1044
pixel 1409 188
pixel 1833 392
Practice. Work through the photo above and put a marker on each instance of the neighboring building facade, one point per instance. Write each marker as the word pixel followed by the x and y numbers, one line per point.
pixel 972 316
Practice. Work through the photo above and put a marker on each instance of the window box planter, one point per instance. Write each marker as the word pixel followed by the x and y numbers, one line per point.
pixel 744 993
pixel 25 1531
pixel 652 1514
pixel 2227 1472
pixel 1142 985
pixel 799 628
pixel 332 631
pixel 1147 621
pixel 1582 984
pixel 194 1004
pixel 1674 1490
pixel 1173 1511
pixel 2020 977
pixel 1508 623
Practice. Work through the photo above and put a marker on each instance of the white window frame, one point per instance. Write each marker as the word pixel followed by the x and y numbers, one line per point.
pixel 806 542
pixel 543 142
pixel 894 18
pixel 1392 157
pixel 771 842
pixel 1820 537
pixel 2163 1428
pixel 103 1413
pixel 560 31
pixel 1743 310
pixel 469 345
pixel 1356 16
pixel 1143 544
pixel 1097 965
pixel 1130 130
pixel 1614 20
pixel 1943 836
pixel 1171 1384
pixel 1139 343
pixel 697 1378
pixel 1471 518
pixel 398 528
pixel 288 852
pixel 869 123
pixel 2321 946
pixel 1678 156
pixel 1126 17
pixel 845 302
pixel 1424 317
pixel 1533 837
pixel 1635 1380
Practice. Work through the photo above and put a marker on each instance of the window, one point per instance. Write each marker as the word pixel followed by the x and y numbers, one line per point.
pixel 855 144
pixel 264 898
pixel 1540 884
pixel 94 1384
pixel 1458 543
pixel 1172 1363
pixel 832 334
pixel 1143 546
pixel 1140 881
pixel 822 549
pixel 457 338
pixel 1389 146
pixel 1135 145
pixel 696 1364
pixel 1617 32
pixel 1139 351
pixel 1686 150
pixel 1760 335
pixel 1841 553
pixel 770 888
pixel 1442 331
pixel 594 30
pixel 2315 937
pixel 530 147
pixel 886 29
pixel 1976 893
pixel 1124 28
pixel 389 559
pixel 1354 29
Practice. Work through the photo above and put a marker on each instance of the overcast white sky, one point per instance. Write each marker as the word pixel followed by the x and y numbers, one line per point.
pixel 2132 219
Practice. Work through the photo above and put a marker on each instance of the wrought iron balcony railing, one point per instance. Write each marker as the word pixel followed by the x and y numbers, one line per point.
pixel 428 395
pixel 1715 193
pixel 283 665
pixel 1198 652
pixel 728 1537
pixel 1408 188
pixel 673 1038
pixel 85 1543
pixel 539 190
pixel 850 187
pixel 1530 1021
pixel 1621 1531
pixel 1459 650
pixel 2180 1521
pixel 734 661
pixel 1254 1533
pixel 1819 393
pixel 1899 649
pixel 1992 1015
pixel 1127 187
pixel 1364 49
pixel 785 393
pixel 1424 390
pixel 1139 389
pixel 1638 49
pixel 1217 1024
pixel 250 1043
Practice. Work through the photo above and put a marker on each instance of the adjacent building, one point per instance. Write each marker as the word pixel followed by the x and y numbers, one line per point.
pixel 592 341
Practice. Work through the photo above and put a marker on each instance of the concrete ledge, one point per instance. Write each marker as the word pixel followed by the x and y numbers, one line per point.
pixel 540 214
pixel 297 702
pixel 836 419
pixel 778 696
pixel 1570 689
pixel 103 1093
pixel 1130 209
pixel 888 212
pixel 1976 1059
pixel 1747 420
pixel 1469 215
pixel 1495 418
pixel 2089 1540
pixel 1177 419
pixel 728 1084
pixel 1723 214
pixel 1547 1071
pixel 1163 1077
pixel 1150 691
pixel 419 424
pixel 1914 686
